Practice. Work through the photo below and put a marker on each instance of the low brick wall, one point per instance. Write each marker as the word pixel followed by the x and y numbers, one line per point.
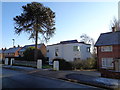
pixel 25 63
pixel 110 73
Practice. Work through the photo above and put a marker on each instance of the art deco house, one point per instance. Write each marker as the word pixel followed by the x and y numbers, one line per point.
pixel 69 50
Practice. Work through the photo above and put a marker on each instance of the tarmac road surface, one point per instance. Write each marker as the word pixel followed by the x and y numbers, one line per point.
pixel 17 79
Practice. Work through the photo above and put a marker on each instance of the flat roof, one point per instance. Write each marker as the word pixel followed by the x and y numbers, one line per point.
pixel 68 42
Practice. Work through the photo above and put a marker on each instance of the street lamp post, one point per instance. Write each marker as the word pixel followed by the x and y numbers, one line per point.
pixel 13 42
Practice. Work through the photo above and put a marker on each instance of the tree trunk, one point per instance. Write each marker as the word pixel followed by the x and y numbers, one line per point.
pixel 36 40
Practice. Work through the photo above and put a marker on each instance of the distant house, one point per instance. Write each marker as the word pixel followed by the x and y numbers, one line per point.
pixel 69 50
pixel 108 50
pixel 1 54
pixel 11 52
pixel 42 47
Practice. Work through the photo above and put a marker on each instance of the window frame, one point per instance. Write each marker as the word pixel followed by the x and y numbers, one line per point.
pixel 107 62
pixel 106 48
pixel 48 50
pixel 76 48
pixel 88 49
pixel 56 51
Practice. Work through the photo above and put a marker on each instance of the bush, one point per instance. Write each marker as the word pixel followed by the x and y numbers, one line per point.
pixel 90 63
pixel 63 64
pixel 29 55
pixel 19 58
pixel 77 64
pixel 84 64
pixel 46 66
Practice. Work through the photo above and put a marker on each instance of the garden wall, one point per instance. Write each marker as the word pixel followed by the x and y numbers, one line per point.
pixel 25 63
pixel 110 73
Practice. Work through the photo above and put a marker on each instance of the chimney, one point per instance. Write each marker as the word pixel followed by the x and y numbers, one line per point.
pixel 18 45
pixel 5 48
pixel 113 29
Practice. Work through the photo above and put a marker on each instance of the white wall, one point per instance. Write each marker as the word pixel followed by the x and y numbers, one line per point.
pixel 84 53
pixel 66 52
pixel 51 53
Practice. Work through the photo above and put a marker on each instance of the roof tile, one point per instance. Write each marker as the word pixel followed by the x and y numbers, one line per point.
pixel 111 38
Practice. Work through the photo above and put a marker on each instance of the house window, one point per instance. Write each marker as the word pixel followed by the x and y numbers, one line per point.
pixel 56 52
pixel 88 49
pixel 76 48
pixel 47 50
pixel 75 59
pixel 107 62
pixel 106 48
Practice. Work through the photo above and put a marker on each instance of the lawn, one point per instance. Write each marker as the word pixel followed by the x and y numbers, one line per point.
pixel 46 66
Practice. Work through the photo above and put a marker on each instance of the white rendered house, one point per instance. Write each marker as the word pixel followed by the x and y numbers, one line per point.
pixel 69 50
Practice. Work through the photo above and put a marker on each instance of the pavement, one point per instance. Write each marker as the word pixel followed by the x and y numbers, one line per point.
pixel 84 77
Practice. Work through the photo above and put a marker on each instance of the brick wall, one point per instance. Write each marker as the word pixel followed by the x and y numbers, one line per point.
pixel 109 73
pixel 43 50
pixel 1 56
pixel 114 54
pixel 17 52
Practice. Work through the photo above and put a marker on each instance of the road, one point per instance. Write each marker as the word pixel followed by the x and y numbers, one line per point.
pixel 17 79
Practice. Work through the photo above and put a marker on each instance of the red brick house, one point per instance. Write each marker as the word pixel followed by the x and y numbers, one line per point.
pixel 41 47
pixel 11 52
pixel 108 50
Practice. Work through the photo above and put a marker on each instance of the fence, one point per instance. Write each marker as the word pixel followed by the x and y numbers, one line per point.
pixel 35 64
pixel 25 63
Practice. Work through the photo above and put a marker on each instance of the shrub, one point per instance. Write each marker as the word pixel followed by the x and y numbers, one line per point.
pixel 84 64
pixel 77 64
pixel 63 64
pixel 19 58
pixel 90 63
pixel 29 55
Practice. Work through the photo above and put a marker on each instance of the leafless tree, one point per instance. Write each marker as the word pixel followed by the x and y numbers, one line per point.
pixel 115 23
pixel 88 40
